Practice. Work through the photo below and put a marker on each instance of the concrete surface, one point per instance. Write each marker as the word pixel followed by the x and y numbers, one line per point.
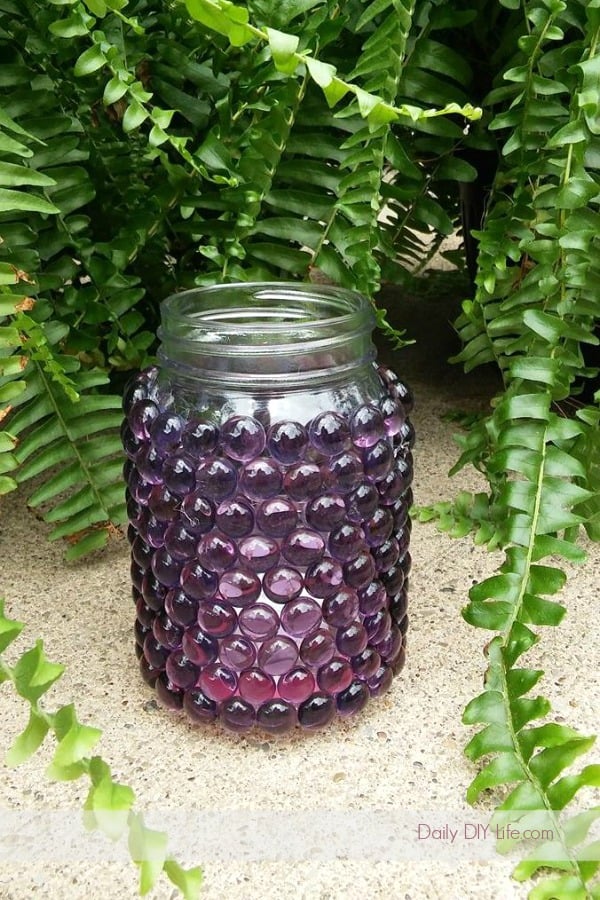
pixel 403 755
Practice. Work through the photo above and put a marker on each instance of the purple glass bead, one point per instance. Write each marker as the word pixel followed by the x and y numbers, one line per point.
pixel 140 489
pixel 156 654
pixel 277 517
pixel 140 416
pixel 389 648
pixel 329 433
pixel 167 632
pixel 403 624
pixel 303 547
pixel 277 655
pixel 317 648
pixel 256 687
pixel 346 542
pixel 405 395
pixel 259 622
pixel 179 473
pixel 380 682
pixel 237 652
pixel 235 518
pixel 372 598
pixel 282 584
pixel 400 660
pixel 258 553
pixel 400 512
pixel 165 431
pixel 341 609
pixel 137 575
pixel 218 682
pixel 198 582
pixel 216 478
pixel 242 438
pixel 379 527
pixel 360 571
pixel 148 672
pixel 303 481
pixel 144 614
pixel 139 632
pixel 261 479
pixel 386 555
pixel 296 686
pixel 378 460
pixel 179 542
pixel 287 442
pixel 366 426
pixel 334 676
pixel 217 618
pixel 365 664
pixel 199 438
pixel 181 671
pixel 346 471
pixel 198 707
pixel 324 579
pixel 240 587
pixel 216 552
pixel 165 568
pixel 132 445
pixel 316 712
pixel 378 626
pixel 141 552
pixel 155 531
pixel 150 462
pixel 237 715
pixel 276 716
pixel 395 482
pixel 402 536
pixel 154 592
pixel 300 617
pixel 326 512
pixel 399 605
pixel 167 694
pixel 406 435
pixel 199 647
pixel 352 640
pixel 197 513
pixel 163 504
pixel 393 579
pixel 181 609
pixel 393 415
pixel 353 699
pixel 135 389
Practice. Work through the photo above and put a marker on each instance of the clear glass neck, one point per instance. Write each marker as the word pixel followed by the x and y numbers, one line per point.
pixel 253 334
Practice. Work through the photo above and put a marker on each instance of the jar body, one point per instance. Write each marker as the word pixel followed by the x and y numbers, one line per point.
pixel 268 488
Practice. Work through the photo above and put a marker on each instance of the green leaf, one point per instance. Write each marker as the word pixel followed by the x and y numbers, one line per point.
pixel 10 629
pixel 283 48
pixel 90 61
pixel 108 802
pixel 12 201
pixel 504 769
pixel 29 740
pixel 148 850
pixel 34 674
pixel 12 175
pixel 69 759
pixel 189 881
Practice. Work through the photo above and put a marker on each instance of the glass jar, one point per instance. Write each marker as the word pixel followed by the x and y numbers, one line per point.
pixel 268 488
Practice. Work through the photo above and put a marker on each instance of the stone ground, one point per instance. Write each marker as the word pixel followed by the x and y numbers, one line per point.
pixel 401 760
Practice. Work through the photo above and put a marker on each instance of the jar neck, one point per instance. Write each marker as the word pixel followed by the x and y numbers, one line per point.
pixel 266 335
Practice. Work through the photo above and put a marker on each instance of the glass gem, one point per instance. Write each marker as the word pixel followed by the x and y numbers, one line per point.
pixel 393 579
pixel 346 471
pixel 303 547
pixel 366 426
pixel 132 445
pixel 276 717
pixel 360 571
pixel 237 652
pixel 179 473
pixel 282 584
pixel 198 707
pixel 259 622
pixel 139 632
pixel 216 617
pixel 237 715
pixel 141 552
pixel 378 460
pixel 165 431
pixel 199 438
pixel 256 687
pixel 166 568
pixel 167 694
pixel 379 527
pixel 341 609
pixel 378 626
pixel 389 648
pixel 198 582
pixel 365 664
pixel 216 551
pixel 334 676
pixel 346 542
pixel 155 530
pixel 197 513
pixel 372 598
pixel 181 671
pixel 393 415
pixel 399 605
pixel 303 481
pixel 403 624
pixel 155 652
pixel 242 438
pixel 139 487
pixel 179 542
pixel 153 591
pixel 163 504
pixel 239 587
pixel 261 479
pixel 167 632
pixel 149 673
pixel 352 640
pixel 406 435
pixel 216 478
pixel 235 518
pixel 317 711
pixel 300 617
pixel 326 512
pixel 218 682
pixel 353 699
pixel 287 442
pixel 137 575
pixel 329 433
pixel 150 462
pixel 277 517
pixel 324 579
pixel 144 614
pixel 277 655
pixel 317 648
pixel 258 553
pixel 296 686
pixel 140 416
pixel 381 681
pixel 181 609
pixel 199 647
pixel 386 555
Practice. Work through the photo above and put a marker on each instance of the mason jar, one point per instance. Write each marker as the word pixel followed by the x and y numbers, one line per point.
pixel 268 491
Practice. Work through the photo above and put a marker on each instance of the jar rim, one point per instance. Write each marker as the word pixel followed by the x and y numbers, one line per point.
pixel 231 308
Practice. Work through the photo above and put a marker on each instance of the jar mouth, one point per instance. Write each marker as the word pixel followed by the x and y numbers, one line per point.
pixel 248 314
